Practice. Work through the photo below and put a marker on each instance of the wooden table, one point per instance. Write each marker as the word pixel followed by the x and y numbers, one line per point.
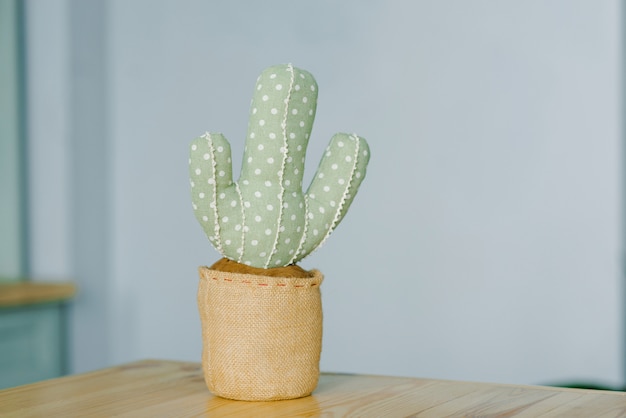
pixel 153 388
pixel 30 293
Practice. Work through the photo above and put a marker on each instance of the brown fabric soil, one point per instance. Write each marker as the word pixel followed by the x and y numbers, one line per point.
pixel 230 266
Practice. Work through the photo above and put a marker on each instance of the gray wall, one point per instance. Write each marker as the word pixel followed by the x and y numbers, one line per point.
pixel 13 262
pixel 484 244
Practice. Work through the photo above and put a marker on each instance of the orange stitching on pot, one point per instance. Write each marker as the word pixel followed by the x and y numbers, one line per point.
pixel 263 284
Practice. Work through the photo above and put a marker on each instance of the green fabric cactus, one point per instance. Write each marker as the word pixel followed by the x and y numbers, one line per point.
pixel 264 219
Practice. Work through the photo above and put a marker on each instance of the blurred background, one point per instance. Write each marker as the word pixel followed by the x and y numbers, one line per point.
pixel 485 244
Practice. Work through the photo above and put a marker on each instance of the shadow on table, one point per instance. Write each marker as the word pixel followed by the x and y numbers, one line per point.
pixel 587 385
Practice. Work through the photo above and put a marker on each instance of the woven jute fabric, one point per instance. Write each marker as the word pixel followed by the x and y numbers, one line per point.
pixel 262 336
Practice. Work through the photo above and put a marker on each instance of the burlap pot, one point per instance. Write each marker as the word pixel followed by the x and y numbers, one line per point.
pixel 262 336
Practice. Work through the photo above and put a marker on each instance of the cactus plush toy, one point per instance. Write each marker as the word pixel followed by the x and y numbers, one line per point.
pixel 264 219
pixel 261 313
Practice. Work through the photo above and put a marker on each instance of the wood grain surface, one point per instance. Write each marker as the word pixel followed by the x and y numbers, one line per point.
pixel 154 388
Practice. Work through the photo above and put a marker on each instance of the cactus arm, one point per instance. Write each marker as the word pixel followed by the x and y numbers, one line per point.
pixel 210 173
pixel 333 188
pixel 339 174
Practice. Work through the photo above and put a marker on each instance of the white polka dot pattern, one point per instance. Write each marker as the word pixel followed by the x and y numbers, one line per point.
pixel 264 219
